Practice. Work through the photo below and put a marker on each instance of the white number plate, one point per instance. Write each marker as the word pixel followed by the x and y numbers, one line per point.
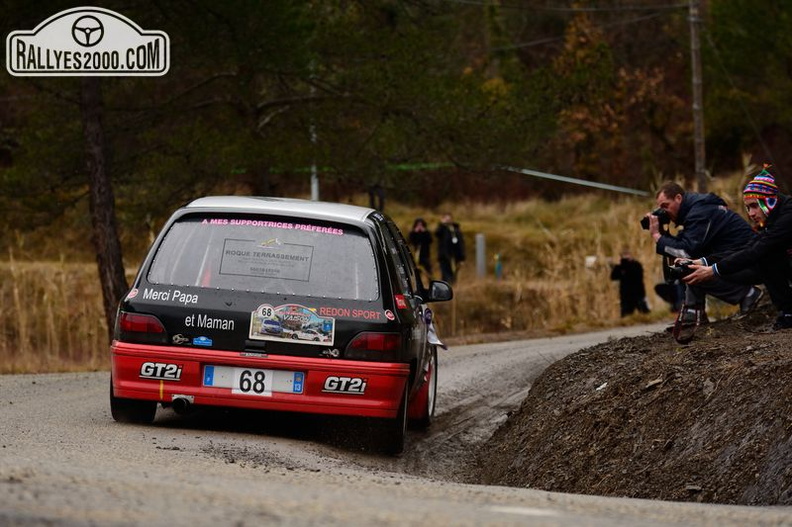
pixel 253 381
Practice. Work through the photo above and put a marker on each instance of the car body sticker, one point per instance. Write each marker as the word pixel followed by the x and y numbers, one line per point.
pixel 174 296
pixel 345 312
pixel 291 322
pixel 288 261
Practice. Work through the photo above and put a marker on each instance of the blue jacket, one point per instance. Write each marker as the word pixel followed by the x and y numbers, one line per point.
pixel 710 229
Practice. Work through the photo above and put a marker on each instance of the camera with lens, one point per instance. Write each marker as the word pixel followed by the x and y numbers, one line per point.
pixel 661 214
pixel 676 272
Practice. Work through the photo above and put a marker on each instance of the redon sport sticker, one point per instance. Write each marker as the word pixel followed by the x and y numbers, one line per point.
pixel 345 312
pixel 289 323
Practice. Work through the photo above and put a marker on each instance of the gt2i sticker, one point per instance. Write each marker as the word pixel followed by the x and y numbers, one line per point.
pixel 350 385
pixel 290 323
pixel 160 371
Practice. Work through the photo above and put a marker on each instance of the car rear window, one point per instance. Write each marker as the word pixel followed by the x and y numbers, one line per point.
pixel 269 255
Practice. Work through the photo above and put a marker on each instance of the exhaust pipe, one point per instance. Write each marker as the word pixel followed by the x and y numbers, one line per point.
pixel 182 404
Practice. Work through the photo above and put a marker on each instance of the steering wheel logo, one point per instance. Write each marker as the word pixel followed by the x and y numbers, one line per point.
pixel 87 31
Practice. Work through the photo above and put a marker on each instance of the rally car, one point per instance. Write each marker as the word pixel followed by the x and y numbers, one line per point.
pixel 279 304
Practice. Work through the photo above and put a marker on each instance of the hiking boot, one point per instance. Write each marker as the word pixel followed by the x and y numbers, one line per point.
pixel 784 321
pixel 750 300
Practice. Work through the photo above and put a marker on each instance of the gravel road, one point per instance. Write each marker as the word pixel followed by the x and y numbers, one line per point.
pixel 64 461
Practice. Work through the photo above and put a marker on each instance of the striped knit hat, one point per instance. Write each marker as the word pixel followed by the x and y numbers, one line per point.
pixel 763 187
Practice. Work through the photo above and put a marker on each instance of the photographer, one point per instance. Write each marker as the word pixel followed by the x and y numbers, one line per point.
pixel 768 254
pixel 709 229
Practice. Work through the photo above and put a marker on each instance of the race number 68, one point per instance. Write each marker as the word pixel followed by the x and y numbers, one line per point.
pixel 252 381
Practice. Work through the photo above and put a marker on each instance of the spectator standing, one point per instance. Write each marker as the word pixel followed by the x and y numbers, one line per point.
pixel 768 255
pixel 632 293
pixel 450 248
pixel 421 243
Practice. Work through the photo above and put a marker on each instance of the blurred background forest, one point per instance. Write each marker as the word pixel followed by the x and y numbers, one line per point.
pixel 421 100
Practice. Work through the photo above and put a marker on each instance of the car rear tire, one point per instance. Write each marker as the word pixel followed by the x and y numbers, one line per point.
pixel 131 410
pixel 422 407
pixel 395 429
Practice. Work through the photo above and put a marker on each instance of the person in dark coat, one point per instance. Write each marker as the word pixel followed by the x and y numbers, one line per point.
pixel 421 243
pixel 768 254
pixel 450 248
pixel 709 229
pixel 632 293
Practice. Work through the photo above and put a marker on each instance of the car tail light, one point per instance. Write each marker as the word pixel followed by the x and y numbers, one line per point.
pixel 134 327
pixel 374 346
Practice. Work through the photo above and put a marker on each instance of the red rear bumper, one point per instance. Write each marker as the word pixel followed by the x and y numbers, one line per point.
pixel 382 383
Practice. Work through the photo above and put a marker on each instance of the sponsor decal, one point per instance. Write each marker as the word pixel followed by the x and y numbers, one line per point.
pixel 160 371
pixel 288 261
pixel 389 315
pixel 291 323
pixel 401 303
pixel 275 225
pixel 345 312
pixel 349 385
pixel 87 42
pixel 132 293
pixel 172 296
pixel 180 339
pixel 202 341
pixel 205 321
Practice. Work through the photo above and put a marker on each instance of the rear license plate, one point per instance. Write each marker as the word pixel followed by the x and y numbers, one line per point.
pixel 253 381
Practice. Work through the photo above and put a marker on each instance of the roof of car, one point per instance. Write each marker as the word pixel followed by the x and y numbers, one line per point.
pixel 283 206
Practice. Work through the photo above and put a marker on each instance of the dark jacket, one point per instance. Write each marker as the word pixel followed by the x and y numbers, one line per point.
pixel 421 242
pixel 775 236
pixel 630 274
pixel 450 243
pixel 710 229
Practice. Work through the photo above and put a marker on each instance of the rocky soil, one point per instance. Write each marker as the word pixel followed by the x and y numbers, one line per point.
pixel 645 417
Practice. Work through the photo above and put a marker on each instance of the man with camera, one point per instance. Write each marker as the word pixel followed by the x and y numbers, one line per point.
pixel 768 254
pixel 709 229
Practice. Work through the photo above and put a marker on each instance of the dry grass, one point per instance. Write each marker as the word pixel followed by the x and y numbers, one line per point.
pixel 52 316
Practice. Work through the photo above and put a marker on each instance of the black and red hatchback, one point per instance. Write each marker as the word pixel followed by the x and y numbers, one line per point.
pixel 278 304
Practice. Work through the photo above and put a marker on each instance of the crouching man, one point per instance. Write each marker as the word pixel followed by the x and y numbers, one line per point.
pixel 767 255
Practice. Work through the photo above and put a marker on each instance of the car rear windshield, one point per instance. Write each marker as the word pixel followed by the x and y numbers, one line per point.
pixel 269 255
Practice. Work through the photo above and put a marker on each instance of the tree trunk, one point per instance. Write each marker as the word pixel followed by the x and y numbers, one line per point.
pixel 102 203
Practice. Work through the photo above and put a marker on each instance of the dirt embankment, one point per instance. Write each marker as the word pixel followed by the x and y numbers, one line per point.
pixel 647 418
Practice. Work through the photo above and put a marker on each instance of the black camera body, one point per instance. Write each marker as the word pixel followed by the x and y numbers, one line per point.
pixel 661 214
pixel 676 272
